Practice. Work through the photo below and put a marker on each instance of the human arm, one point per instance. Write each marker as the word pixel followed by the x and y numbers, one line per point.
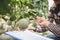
pixel 54 28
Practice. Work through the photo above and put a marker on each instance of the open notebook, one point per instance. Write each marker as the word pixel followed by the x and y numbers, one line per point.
pixel 26 35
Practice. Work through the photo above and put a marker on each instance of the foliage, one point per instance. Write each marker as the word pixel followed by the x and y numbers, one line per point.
pixel 4 7
pixel 17 9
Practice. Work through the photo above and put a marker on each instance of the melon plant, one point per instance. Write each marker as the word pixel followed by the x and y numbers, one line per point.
pixel 22 24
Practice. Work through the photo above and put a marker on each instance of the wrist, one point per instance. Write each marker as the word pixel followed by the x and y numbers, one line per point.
pixel 38 29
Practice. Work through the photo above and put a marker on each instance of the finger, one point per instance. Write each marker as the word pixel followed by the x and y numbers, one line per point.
pixel 42 24
pixel 31 28
pixel 39 20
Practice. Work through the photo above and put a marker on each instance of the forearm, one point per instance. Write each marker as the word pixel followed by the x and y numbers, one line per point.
pixel 54 29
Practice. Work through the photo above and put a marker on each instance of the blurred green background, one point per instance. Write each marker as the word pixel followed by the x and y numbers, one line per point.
pixel 17 9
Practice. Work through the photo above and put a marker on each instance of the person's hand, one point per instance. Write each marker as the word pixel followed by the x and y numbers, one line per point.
pixel 30 27
pixel 42 21
pixel 35 29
